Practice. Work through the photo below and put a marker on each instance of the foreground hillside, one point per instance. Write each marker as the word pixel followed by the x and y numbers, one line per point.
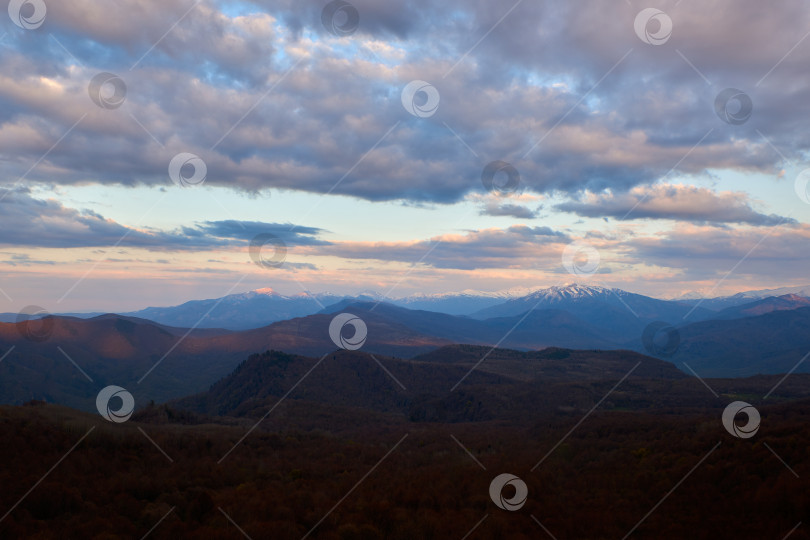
pixel 448 385
pixel 341 473
pixel 351 445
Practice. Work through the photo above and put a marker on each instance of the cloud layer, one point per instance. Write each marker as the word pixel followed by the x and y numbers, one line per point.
pixel 30 222
pixel 676 202
pixel 270 99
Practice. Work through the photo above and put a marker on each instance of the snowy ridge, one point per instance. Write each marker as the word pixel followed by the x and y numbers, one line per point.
pixel 567 291
pixel 263 306
pixel 801 290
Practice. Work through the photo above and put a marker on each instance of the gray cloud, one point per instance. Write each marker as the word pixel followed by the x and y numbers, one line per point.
pixel 678 202
pixel 709 253
pixel 518 246
pixel 512 210
pixel 313 128
pixel 26 221
pixel 247 230
pixel 23 259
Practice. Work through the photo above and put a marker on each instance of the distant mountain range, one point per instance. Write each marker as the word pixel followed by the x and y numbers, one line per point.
pixel 265 306
pixel 723 302
pixel 621 315
pixel 78 357
pixel 262 307
pixel 241 311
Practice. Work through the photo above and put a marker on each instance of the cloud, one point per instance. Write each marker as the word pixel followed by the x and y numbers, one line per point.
pixel 709 253
pixel 31 222
pixel 247 230
pixel 508 209
pixel 514 247
pixel 269 100
pixel 23 259
pixel 673 201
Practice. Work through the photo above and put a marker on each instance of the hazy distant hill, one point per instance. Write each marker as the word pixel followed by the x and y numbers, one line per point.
pixel 265 306
pixel 463 303
pixel 110 350
pixel 771 343
pixel 238 311
pixel 539 329
pixel 722 302
pixel 766 305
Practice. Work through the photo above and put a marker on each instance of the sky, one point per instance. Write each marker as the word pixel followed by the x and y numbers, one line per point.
pixel 158 152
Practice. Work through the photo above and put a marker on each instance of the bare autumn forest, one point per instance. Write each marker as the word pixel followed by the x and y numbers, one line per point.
pixel 652 462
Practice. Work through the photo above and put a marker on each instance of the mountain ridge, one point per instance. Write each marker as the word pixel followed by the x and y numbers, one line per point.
pixel 264 306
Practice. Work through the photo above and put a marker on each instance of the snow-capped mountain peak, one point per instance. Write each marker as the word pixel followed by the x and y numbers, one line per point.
pixel 267 291
pixel 570 291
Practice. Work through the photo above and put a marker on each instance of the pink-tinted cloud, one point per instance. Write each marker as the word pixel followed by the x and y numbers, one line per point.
pixel 673 201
